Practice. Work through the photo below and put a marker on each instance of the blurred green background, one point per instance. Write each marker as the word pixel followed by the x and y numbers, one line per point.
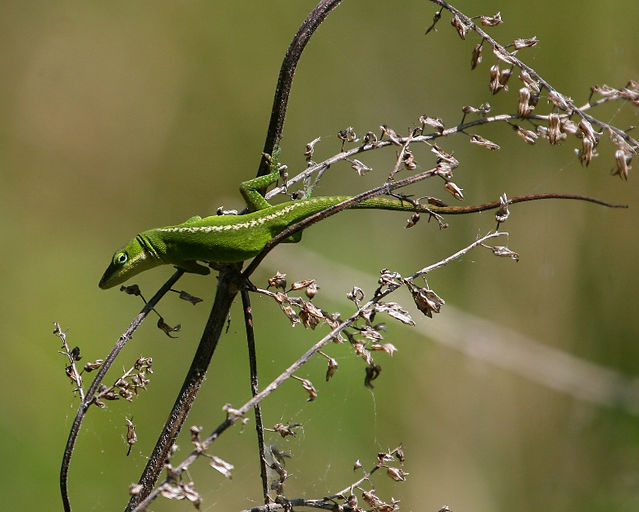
pixel 121 116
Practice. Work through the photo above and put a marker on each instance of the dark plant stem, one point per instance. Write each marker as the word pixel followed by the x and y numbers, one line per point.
pixel 90 394
pixel 259 426
pixel 285 79
pixel 226 292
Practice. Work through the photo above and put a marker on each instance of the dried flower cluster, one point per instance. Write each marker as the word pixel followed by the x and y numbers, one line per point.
pixel 73 355
pixel 560 124
pixel 128 385
pixel 347 499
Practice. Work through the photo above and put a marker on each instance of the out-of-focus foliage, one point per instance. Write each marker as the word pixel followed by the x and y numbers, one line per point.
pixel 119 116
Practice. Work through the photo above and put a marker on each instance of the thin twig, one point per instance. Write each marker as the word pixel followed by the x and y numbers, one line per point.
pixel 74 374
pixel 454 256
pixel 259 426
pixel 91 392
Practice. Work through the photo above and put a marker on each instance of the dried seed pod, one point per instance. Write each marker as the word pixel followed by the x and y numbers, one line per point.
pixel 554 129
pixel 529 136
pixel 167 329
pixel 195 433
pixel 310 389
pixel 371 138
pixel 543 131
pixel 396 474
pixel 503 56
pixel 520 44
pixel 90 366
pixel 444 158
pixel 454 190
pixel 332 368
pixel 277 281
pixel 502 212
pixel 559 100
pixel 360 167
pixel 485 143
pixel 356 294
pixel 623 164
pixel 587 151
pixel 310 315
pixel 523 107
pixel 504 252
pixel 483 109
pixel 604 90
pixel 389 348
pixel 433 122
pixel 221 465
pixel 310 149
pixel 568 126
pixel 494 85
pixel 189 298
pixel 528 81
pixel 588 131
pixel 372 372
pixel 460 26
pixel 476 57
pixel 131 436
pixel 347 135
pixel 413 220
pixel 504 76
pixel 490 21
pixel 426 300
pixel 395 311
pixel 408 159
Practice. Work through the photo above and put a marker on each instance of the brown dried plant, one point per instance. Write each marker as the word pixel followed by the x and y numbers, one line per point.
pixel 540 113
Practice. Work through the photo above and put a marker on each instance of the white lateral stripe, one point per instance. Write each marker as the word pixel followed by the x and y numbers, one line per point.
pixel 241 225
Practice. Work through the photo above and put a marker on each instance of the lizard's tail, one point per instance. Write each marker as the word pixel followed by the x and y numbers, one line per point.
pixel 436 206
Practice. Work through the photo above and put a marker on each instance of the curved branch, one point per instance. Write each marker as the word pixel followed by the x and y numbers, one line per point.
pixel 285 79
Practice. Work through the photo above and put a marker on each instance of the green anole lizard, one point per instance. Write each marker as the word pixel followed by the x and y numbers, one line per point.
pixel 235 238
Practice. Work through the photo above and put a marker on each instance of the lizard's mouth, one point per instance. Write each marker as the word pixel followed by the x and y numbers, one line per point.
pixel 111 277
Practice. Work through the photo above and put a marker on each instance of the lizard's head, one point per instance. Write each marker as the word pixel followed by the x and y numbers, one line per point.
pixel 127 262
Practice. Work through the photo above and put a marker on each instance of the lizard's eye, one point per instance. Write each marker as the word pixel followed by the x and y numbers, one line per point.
pixel 122 258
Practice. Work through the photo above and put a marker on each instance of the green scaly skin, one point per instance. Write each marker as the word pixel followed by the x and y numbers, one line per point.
pixel 235 238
